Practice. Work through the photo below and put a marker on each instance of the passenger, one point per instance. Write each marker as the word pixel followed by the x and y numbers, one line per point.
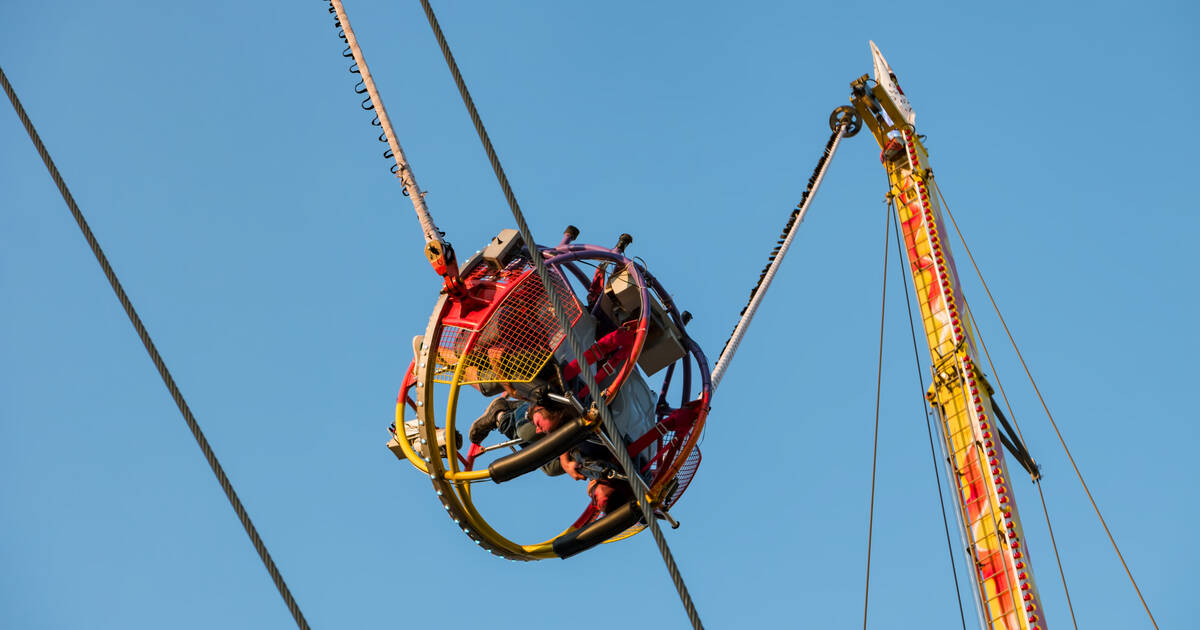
pixel 589 460
pixel 593 462
pixel 609 494
pixel 632 411
pixel 633 408
pixel 518 420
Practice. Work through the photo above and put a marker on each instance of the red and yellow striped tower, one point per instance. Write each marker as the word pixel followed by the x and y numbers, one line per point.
pixel 1006 593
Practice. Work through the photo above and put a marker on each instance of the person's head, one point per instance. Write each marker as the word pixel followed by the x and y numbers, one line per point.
pixel 545 419
pixel 609 495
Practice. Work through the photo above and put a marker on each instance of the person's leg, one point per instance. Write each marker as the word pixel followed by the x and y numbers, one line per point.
pixel 511 421
pixel 497 410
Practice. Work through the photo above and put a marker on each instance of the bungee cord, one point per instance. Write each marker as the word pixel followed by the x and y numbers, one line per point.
pixel 843 129
pixel 437 249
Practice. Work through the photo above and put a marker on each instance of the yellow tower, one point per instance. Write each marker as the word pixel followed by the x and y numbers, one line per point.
pixel 1005 591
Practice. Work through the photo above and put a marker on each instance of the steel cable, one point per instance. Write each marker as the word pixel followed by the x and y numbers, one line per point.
pixel 1057 558
pixel 928 428
pixel 623 458
pixel 887 234
pixel 1037 479
pixel 201 441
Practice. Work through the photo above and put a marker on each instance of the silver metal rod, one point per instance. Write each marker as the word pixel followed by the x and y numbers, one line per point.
pixel 500 445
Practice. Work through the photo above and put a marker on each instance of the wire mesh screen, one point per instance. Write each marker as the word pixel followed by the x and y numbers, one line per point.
pixel 451 344
pixel 515 342
pixel 685 475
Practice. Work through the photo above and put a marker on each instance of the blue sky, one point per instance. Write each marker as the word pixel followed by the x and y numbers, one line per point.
pixel 220 155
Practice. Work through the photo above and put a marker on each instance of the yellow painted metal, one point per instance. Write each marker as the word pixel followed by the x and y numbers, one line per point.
pixel 446 490
pixel 451 414
pixel 451 484
pixel 477 522
pixel 629 533
pixel 413 458
pixel 463 490
pixel 467 475
pixel 960 394
pixel 409 453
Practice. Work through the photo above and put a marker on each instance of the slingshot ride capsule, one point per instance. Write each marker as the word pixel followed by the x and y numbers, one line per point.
pixel 501 337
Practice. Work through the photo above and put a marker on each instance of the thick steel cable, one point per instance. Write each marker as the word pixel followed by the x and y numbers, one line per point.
pixel 1037 479
pixel 912 327
pixel 887 234
pixel 201 441
pixel 1046 408
pixel 627 465
pixel 776 257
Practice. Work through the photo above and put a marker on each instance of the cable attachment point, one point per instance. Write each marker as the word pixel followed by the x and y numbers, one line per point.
pixel 441 256
pixel 845 115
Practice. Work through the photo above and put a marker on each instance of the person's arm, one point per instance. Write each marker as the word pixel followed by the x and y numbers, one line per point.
pixel 567 463
pixel 553 467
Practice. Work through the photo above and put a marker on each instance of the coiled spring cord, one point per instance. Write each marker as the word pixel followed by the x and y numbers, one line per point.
pixel 360 88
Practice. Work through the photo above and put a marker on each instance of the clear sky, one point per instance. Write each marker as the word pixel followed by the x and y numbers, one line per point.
pixel 221 156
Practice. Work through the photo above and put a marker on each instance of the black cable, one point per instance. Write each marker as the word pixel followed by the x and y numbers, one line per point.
pixel 540 267
pixel 226 485
pixel 887 234
pixel 1035 473
pixel 928 429
pixel 1058 559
